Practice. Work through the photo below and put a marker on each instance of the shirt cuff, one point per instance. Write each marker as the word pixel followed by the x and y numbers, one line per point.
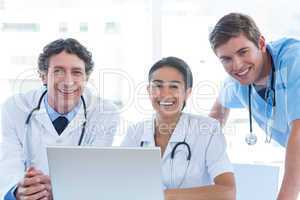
pixel 10 195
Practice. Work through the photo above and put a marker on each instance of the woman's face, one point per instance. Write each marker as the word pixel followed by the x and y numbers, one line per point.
pixel 167 91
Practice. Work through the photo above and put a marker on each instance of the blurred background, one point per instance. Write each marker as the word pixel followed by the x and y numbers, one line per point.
pixel 126 37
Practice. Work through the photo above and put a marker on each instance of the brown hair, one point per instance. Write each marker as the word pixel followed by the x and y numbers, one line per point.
pixel 233 25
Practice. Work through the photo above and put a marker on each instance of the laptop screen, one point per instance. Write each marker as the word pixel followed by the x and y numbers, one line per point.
pixel 114 173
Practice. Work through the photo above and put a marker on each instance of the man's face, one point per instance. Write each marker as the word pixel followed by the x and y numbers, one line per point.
pixel 242 59
pixel 65 79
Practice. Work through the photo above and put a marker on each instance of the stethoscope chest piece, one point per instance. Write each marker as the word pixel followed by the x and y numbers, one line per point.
pixel 251 139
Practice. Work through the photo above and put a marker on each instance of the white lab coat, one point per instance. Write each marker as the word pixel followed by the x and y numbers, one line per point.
pixel 207 144
pixel 101 126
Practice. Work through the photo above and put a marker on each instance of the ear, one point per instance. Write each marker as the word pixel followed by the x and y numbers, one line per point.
pixel 43 76
pixel 148 89
pixel 150 96
pixel 262 43
pixel 188 93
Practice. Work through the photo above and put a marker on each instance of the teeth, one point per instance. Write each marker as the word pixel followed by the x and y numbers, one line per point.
pixel 166 103
pixel 67 91
pixel 243 72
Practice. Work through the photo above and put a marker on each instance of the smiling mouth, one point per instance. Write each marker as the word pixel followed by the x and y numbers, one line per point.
pixel 243 73
pixel 166 104
pixel 67 91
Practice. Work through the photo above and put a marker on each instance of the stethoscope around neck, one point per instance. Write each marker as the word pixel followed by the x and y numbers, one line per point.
pixel 28 139
pixel 172 156
pixel 251 138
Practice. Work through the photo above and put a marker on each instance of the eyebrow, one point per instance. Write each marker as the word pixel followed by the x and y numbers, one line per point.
pixel 242 49
pixel 73 67
pixel 77 68
pixel 238 51
pixel 224 57
pixel 161 81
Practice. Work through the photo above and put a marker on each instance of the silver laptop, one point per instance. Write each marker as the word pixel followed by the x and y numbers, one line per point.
pixel 111 173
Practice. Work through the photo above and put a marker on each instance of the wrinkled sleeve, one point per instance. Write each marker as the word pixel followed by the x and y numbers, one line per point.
pixel 131 138
pixel 11 154
pixel 292 63
pixel 228 95
pixel 217 161
pixel 105 125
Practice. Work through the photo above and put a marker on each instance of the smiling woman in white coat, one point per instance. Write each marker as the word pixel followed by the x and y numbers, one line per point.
pixel 62 112
pixel 194 160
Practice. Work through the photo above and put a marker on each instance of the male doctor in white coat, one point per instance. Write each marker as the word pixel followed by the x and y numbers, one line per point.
pixel 62 113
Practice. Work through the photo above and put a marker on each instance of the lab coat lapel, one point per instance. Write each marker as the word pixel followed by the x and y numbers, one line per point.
pixel 43 118
pixel 149 131
pixel 178 135
pixel 79 119
pixel 75 123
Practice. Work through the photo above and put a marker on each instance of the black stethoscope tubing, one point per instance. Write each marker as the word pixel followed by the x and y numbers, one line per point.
pixel 272 88
pixel 189 156
pixel 39 106
pixel 173 152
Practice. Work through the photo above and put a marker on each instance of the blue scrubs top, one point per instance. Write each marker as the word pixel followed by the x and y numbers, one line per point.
pixel 286 58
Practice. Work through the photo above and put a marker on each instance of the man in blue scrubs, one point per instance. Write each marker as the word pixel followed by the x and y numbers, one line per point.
pixel 265 78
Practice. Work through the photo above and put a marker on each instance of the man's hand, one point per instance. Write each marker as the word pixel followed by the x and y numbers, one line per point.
pixel 34 186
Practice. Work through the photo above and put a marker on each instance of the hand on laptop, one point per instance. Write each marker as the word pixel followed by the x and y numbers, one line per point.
pixel 34 186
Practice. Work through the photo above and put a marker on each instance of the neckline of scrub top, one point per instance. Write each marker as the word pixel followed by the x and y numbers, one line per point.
pixel 178 135
pixel 260 101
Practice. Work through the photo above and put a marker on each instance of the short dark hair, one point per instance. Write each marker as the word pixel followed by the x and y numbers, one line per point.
pixel 69 45
pixel 177 64
pixel 233 25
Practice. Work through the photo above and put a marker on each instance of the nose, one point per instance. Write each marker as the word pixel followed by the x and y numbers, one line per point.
pixel 165 91
pixel 68 79
pixel 237 64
